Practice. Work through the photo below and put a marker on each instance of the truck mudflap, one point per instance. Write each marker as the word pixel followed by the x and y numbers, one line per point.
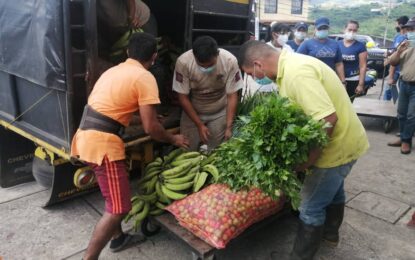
pixel 64 179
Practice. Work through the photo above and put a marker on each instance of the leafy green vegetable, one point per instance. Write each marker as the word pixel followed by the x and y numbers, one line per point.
pixel 275 137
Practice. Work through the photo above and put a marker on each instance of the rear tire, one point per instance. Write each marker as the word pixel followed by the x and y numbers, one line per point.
pixel 43 172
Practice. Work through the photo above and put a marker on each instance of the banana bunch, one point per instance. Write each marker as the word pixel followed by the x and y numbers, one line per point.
pixel 170 178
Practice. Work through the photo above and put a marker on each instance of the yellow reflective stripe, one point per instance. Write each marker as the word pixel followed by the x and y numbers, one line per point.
pixel 245 2
pixel 61 152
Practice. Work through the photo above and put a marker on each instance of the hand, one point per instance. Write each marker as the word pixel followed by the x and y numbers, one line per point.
pixel 360 89
pixel 391 81
pixel 135 21
pixel 403 46
pixel 180 141
pixel 228 133
pixel 301 167
pixel 204 133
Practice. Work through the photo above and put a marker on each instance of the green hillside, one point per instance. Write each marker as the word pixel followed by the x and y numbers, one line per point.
pixel 370 23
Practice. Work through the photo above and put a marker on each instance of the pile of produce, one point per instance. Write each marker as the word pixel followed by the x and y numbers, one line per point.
pixel 170 178
pixel 216 214
pixel 271 140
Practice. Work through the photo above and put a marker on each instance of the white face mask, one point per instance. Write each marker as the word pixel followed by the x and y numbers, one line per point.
pixel 350 36
pixel 300 35
pixel 282 39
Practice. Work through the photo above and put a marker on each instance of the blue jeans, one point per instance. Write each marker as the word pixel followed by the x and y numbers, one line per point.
pixel 387 95
pixel 324 186
pixel 406 111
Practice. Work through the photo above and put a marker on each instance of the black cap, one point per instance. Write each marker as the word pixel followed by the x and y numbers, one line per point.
pixel 410 23
pixel 301 25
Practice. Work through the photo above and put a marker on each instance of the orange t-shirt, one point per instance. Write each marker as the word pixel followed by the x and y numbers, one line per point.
pixel 118 93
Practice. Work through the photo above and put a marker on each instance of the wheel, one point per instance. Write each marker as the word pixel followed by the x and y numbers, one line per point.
pixel 196 257
pixel 148 228
pixel 43 172
pixel 387 125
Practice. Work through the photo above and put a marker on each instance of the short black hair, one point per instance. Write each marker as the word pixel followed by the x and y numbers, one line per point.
pixel 402 20
pixel 280 28
pixel 205 48
pixel 142 46
pixel 352 22
pixel 252 50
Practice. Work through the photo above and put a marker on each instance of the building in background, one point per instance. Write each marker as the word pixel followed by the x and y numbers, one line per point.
pixel 283 11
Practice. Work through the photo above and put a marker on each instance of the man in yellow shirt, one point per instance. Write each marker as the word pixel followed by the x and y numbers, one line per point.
pixel 121 91
pixel 316 88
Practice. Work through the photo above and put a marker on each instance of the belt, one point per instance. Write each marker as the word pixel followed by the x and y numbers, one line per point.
pixel 409 82
pixel 93 120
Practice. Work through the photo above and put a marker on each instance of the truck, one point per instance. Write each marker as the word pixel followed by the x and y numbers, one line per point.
pixel 49 61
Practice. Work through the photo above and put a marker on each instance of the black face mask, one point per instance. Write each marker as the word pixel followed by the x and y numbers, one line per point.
pixel 398 29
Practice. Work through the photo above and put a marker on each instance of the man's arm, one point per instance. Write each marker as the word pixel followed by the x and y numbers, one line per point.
pixel 153 128
pixel 230 113
pixel 314 154
pixel 362 67
pixel 340 71
pixel 192 114
pixel 132 13
pixel 395 58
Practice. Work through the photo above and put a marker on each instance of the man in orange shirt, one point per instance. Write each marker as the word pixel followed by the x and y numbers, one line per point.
pixel 118 93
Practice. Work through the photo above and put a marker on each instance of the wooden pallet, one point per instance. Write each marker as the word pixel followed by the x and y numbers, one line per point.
pixel 199 248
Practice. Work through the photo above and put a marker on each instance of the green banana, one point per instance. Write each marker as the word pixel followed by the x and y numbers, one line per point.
pixel 163 198
pixel 160 205
pixel 200 181
pixel 137 207
pixel 177 175
pixel 148 177
pixel 187 155
pixel 172 194
pixel 212 170
pixel 194 161
pixel 178 187
pixel 158 159
pixel 148 197
pixel 211 158
pixel 188 177
pixel 173 154
pixel 134 198
pixel 156 212
pixel 195 169
pixel 151 185
pixel 128 217
pixel 152 164
pixel 152 170
pixel 178 169
pixel 142 215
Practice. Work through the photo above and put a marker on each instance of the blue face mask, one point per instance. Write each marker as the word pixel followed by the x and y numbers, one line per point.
pixel 322 34
pixel 207 70
pixel 410 36
pixel 264 81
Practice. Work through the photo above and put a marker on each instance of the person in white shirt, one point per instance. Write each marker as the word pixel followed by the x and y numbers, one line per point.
pixel 280 33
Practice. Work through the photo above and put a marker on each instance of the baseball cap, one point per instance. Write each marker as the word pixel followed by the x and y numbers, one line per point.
pixel 410 23
pixel 301 25
pixel 323 21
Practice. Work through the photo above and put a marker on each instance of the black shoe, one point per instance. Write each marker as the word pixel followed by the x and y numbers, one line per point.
pixel 125 241
pixel 334 219
pixel 307 242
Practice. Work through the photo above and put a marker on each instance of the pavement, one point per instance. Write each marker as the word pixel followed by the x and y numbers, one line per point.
pixel 380 201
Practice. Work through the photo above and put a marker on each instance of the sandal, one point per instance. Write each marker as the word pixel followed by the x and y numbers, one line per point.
pixel 395 143
pixel 125 241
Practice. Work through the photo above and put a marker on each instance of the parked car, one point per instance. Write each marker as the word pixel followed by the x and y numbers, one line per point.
pixel 376 54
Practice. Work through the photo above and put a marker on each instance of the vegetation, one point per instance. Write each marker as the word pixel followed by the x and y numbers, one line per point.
pixel 371 23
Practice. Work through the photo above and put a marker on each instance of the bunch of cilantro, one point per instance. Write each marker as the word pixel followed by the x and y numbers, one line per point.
pixel 270 141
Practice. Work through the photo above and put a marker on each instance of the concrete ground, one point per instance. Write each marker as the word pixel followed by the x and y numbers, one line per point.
pixel 380 195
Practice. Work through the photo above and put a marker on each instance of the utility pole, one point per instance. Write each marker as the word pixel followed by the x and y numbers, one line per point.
pixel 387 22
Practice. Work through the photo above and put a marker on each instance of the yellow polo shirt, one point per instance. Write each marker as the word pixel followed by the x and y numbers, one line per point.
pixel 317 89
